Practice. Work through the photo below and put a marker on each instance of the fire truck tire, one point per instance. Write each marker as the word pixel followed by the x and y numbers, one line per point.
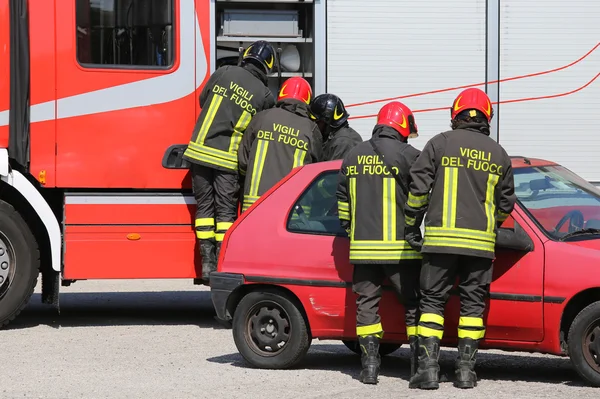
pixel 270 331
pixel 384 348
pixel 19 263
pixel 584 344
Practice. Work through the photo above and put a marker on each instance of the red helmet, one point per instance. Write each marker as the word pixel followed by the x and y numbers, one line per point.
pixel 296 88
pixel 472 99
pixel 400 117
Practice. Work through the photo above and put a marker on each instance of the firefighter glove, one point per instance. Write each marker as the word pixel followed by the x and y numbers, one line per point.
pixel 412 235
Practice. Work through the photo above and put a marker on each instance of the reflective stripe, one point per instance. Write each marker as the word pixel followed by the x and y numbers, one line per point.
pixel 299 156
pixel 369 330
pixel 412 330
pixel 215 103
pixel 502 216
pixel 238 132
pixel 478 334
pixel 214 152
pixel 417 201
pixel 204 222
pixel 344 215
pixel 432 318
pixel 374 254
pixel 210 159
pixel 352 187
pixel 458 243
pixel 343 206
pixel 389 209
pixel 375 244
pixel 224 226
pixel 249 201
pixel 219 237
pixel 457 232
pixel 450 189
pixel 148 198
pixel 410 221
pixel 259 163
pixel 204 235
pixel 430 332
pixel 323 190
pixel 490 206
pixel 470 322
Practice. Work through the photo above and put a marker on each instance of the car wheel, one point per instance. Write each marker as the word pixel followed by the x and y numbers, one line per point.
pixel 584 343
pixel 384 348
pixel 269 331
pixel 19 263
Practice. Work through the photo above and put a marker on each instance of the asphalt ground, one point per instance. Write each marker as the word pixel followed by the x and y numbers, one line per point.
pixel 159 339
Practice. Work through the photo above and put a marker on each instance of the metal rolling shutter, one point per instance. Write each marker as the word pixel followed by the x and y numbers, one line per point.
pixel 544 35
pixel 387 48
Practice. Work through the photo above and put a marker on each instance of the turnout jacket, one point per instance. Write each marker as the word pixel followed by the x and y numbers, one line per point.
pixel 230 99
pixel 340 143
pixel 276 141
pixel 464 180
pixel 370 201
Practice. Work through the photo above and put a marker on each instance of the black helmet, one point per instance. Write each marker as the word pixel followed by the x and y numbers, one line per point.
pixel 262 52
pixel 329 108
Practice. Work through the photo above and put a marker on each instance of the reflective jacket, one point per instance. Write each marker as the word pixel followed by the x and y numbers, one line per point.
pixel 370 201
pixel 230 99
pixel 340 143
pixel 276 141
pixel 472 190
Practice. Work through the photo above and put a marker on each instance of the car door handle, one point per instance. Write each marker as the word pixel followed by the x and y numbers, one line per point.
pixel 173 158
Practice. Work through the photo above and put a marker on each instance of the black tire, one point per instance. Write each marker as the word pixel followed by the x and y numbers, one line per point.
pixel 384 348
pixel 276 314
pixel 584 343
pixel 17 240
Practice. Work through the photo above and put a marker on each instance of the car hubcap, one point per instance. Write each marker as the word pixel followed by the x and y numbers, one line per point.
pixel 7 264
pixel 268 328
pixel 591 345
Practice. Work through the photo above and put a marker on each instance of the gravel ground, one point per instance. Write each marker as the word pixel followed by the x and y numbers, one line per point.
pixel 159 339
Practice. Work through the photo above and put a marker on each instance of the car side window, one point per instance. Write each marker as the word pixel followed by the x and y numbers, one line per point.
pixel 315 212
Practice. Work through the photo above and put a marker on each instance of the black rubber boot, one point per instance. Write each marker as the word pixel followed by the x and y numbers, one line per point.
pixel 428 373
pixel 209 260
pixel 413 342
pixel 465 363
pixel 370 359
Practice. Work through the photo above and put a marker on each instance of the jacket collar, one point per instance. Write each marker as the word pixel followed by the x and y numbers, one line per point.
pixel 294 106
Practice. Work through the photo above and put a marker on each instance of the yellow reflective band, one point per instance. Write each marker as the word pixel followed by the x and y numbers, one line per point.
pixel 323 190
pixel 219 237
pixel 459 243
pixel 432 318
pixel 352 187
pixel 259 163
pixel 215 103
pixel 299 156
pixel 214 152
pixel 502 216
pixel 343 206
pixel 204 222
pixel 479 334
pixel 372 329
pixel 469 234
pixel 375 244
pixel 429 332
pixel 470 322
pixel 209 159
pixel 343 215
pixel 224 226
pixel 412 330
pixel 450 189
pixel 490 206
pixel 410 221
pixel 389 209
pixel 205 235
pixel 384 255
pixel 417 201
pixel 238 132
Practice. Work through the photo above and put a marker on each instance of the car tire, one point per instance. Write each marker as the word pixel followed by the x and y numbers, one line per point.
pixel 384 348
pixel 263 319
pixel 19 263
pixel 584 344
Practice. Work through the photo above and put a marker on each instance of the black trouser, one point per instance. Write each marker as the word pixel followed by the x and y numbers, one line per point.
pixel 438 275
pixel 217 195
pixel 366 283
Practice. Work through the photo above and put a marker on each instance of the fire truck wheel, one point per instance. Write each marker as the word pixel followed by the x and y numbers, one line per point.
pixel 270 331
pixel 584 343
pixel 19 263
pixel 384 348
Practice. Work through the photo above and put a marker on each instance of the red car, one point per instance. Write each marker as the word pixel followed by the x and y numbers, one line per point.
pixel 296 285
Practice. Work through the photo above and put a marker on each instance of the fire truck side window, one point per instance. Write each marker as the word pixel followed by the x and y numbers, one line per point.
pixel 121 33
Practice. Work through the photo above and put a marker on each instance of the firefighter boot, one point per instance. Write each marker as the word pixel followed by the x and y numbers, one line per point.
pixel 413 341
pixel 427 376
pixel 370 359
pixel 465 363
pixel 209 261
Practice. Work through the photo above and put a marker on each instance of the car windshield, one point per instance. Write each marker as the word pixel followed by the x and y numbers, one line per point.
pixel 559 200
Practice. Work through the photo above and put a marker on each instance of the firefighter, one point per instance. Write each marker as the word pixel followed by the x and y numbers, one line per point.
pixel 371 194
pixel 464 180
pixel 230 99
pixel 278 140
pixel 332 118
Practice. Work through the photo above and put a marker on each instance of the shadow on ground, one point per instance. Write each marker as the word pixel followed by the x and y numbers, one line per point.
pixel 121 308
pixel 490 366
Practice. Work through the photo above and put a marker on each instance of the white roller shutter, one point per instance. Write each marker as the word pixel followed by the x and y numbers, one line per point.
pixel 544 35
pixel 386 48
